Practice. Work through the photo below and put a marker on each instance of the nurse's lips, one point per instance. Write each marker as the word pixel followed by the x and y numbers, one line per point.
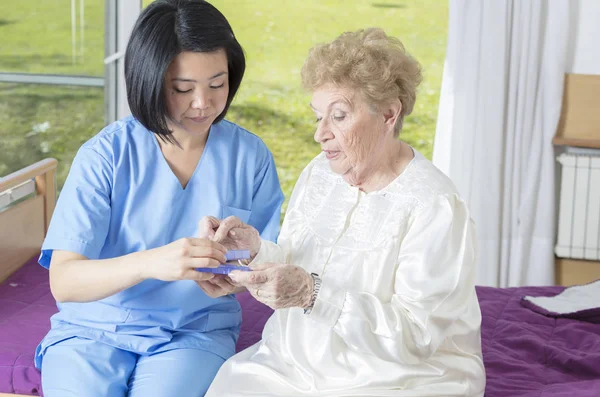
pixel 199 119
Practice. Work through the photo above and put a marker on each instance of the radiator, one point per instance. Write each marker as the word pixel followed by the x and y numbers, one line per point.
pixel 579 205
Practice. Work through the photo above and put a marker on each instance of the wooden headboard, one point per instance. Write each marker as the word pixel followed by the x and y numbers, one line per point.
pixel 31 195
pixel 579 126
pixel 579 123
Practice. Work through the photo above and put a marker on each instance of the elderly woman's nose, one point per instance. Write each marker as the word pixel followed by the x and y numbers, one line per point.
pixel 322 133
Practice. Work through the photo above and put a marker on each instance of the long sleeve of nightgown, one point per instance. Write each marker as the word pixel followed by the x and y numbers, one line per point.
pixel 279 252
pixel 433 288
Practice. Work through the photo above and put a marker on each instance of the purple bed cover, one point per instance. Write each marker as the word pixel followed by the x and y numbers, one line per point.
pixel 526 354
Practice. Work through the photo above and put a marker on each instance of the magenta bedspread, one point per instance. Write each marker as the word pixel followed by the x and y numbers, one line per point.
pixel 526 354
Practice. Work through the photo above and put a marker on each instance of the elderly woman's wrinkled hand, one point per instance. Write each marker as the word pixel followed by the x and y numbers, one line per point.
pixel 278 286
pixel 230 232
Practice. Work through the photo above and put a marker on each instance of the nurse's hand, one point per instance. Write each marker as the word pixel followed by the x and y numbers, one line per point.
pixel 278 286
pixel 178 260
pixel 231 232
pixel 219 285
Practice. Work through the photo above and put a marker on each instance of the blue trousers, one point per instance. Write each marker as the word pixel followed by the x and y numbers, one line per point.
pixel 84 368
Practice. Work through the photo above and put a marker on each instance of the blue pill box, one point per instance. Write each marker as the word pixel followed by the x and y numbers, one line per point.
pixel 232 256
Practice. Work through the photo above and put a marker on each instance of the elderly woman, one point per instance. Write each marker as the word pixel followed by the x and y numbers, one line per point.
pixel 372 276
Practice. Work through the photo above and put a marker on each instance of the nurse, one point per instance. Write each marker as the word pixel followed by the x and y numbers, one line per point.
pixel 122 245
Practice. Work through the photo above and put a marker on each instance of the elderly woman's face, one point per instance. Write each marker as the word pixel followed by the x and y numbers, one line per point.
pixel 348 130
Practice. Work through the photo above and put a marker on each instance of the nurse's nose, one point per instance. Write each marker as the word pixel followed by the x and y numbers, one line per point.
pixel 201 101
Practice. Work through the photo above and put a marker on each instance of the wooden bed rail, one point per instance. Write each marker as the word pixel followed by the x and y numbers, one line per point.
pixel 32 171
pixel 23 225
pixel 44 172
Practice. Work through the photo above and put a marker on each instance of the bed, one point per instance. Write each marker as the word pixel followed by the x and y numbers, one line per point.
pixel 526 353
pixel 27 199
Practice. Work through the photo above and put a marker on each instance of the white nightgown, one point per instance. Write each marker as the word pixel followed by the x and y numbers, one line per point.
pixel 397 313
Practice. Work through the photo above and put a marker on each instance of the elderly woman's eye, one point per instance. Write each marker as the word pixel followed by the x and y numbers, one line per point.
pixel 339 116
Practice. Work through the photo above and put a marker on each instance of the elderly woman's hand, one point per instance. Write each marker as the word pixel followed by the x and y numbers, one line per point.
pixel 230 232
pixel 278 286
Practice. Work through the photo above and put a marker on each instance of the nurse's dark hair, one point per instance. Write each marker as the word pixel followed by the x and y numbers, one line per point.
pixel 163 30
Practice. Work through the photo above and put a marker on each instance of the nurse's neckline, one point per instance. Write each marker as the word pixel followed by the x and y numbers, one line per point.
pixel 182 180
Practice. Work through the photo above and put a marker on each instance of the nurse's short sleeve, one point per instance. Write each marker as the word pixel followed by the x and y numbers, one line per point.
pixel 82 215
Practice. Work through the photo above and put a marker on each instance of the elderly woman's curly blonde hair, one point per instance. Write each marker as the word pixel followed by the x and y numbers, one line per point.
pixel 370 62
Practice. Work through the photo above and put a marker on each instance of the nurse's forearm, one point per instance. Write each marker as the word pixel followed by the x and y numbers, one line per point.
pixel 73 278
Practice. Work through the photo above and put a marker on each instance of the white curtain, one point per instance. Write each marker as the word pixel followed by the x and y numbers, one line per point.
pixel 499 109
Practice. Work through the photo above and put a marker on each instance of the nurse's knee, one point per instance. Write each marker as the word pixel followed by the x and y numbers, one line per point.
pixel 80 367
pixel 182 373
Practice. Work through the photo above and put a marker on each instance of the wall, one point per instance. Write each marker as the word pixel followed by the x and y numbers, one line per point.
pixel 584 57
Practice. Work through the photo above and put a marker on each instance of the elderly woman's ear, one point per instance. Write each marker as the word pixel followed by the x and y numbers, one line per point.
pixel 392 112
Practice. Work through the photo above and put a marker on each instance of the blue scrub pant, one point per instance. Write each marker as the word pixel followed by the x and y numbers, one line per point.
pixel 84 368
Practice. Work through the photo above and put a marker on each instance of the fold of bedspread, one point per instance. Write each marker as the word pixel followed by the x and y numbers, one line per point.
pixel 528 354
pixel 580 302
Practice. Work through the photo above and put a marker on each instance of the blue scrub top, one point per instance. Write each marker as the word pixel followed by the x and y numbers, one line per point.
pixel 121 197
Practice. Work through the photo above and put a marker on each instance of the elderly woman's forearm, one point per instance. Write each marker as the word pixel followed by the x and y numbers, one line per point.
pixel 268 252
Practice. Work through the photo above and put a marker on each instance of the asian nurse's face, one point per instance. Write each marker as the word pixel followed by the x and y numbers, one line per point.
pixel 196 86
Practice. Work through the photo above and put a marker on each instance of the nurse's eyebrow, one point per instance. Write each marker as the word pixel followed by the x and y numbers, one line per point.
pixel 194 81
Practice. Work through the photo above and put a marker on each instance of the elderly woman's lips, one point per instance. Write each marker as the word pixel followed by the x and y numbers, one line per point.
pixel 331 154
